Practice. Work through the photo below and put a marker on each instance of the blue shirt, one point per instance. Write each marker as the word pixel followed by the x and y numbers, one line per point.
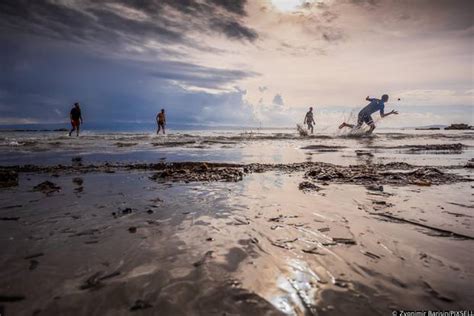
pixel 374 106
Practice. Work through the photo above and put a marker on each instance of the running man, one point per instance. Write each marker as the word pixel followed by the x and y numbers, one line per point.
pixel 76 119
pixel 161 120
pixel 309 120
pixel 365 114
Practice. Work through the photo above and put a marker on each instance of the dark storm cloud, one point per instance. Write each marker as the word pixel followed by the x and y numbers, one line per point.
pixel 233 29
pixel 91 26
pixel 236 6
pixel 114 21
pixel 199 76
pixel 56 52
pixel 41 82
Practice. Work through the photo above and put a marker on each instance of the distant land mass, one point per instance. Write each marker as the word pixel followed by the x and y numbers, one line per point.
pixel 431 127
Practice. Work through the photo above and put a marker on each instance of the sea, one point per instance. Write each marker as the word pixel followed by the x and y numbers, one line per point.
pixel 139 143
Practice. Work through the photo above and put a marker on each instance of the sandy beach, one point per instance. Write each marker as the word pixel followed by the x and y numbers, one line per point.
pixel 327 225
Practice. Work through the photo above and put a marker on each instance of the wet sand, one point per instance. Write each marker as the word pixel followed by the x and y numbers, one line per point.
pixel 237 238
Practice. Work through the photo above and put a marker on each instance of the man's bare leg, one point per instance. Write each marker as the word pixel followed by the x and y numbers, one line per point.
pixel 77 131
pixel 372 127
pixel 346 125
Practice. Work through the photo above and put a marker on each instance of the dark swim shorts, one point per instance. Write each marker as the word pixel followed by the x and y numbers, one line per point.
pixel 364 118
pixel 75 123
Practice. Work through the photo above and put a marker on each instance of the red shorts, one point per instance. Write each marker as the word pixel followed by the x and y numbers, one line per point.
pixel 75 123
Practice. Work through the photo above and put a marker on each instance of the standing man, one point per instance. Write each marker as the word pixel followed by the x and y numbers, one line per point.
pixel 76 119
pixel 161 120
pixel 309 120
pixel 365 114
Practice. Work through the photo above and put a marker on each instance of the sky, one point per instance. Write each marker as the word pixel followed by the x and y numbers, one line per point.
pixel 236 62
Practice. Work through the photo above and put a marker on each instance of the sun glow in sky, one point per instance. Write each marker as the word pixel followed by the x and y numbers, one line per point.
pixel 287 5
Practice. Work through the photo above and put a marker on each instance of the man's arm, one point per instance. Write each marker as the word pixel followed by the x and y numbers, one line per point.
pixel 382 114
pixel 370 99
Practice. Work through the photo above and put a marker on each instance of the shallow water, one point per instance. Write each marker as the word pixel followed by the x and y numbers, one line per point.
pixel 265 146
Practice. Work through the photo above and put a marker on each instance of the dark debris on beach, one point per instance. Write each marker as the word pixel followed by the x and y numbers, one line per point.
pixel 395 173
pixel 370 175
pixel 8 178
pixel 47 187
pixel 199 172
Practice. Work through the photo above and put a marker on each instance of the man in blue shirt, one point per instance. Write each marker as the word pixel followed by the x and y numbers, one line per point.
pixel 365 114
